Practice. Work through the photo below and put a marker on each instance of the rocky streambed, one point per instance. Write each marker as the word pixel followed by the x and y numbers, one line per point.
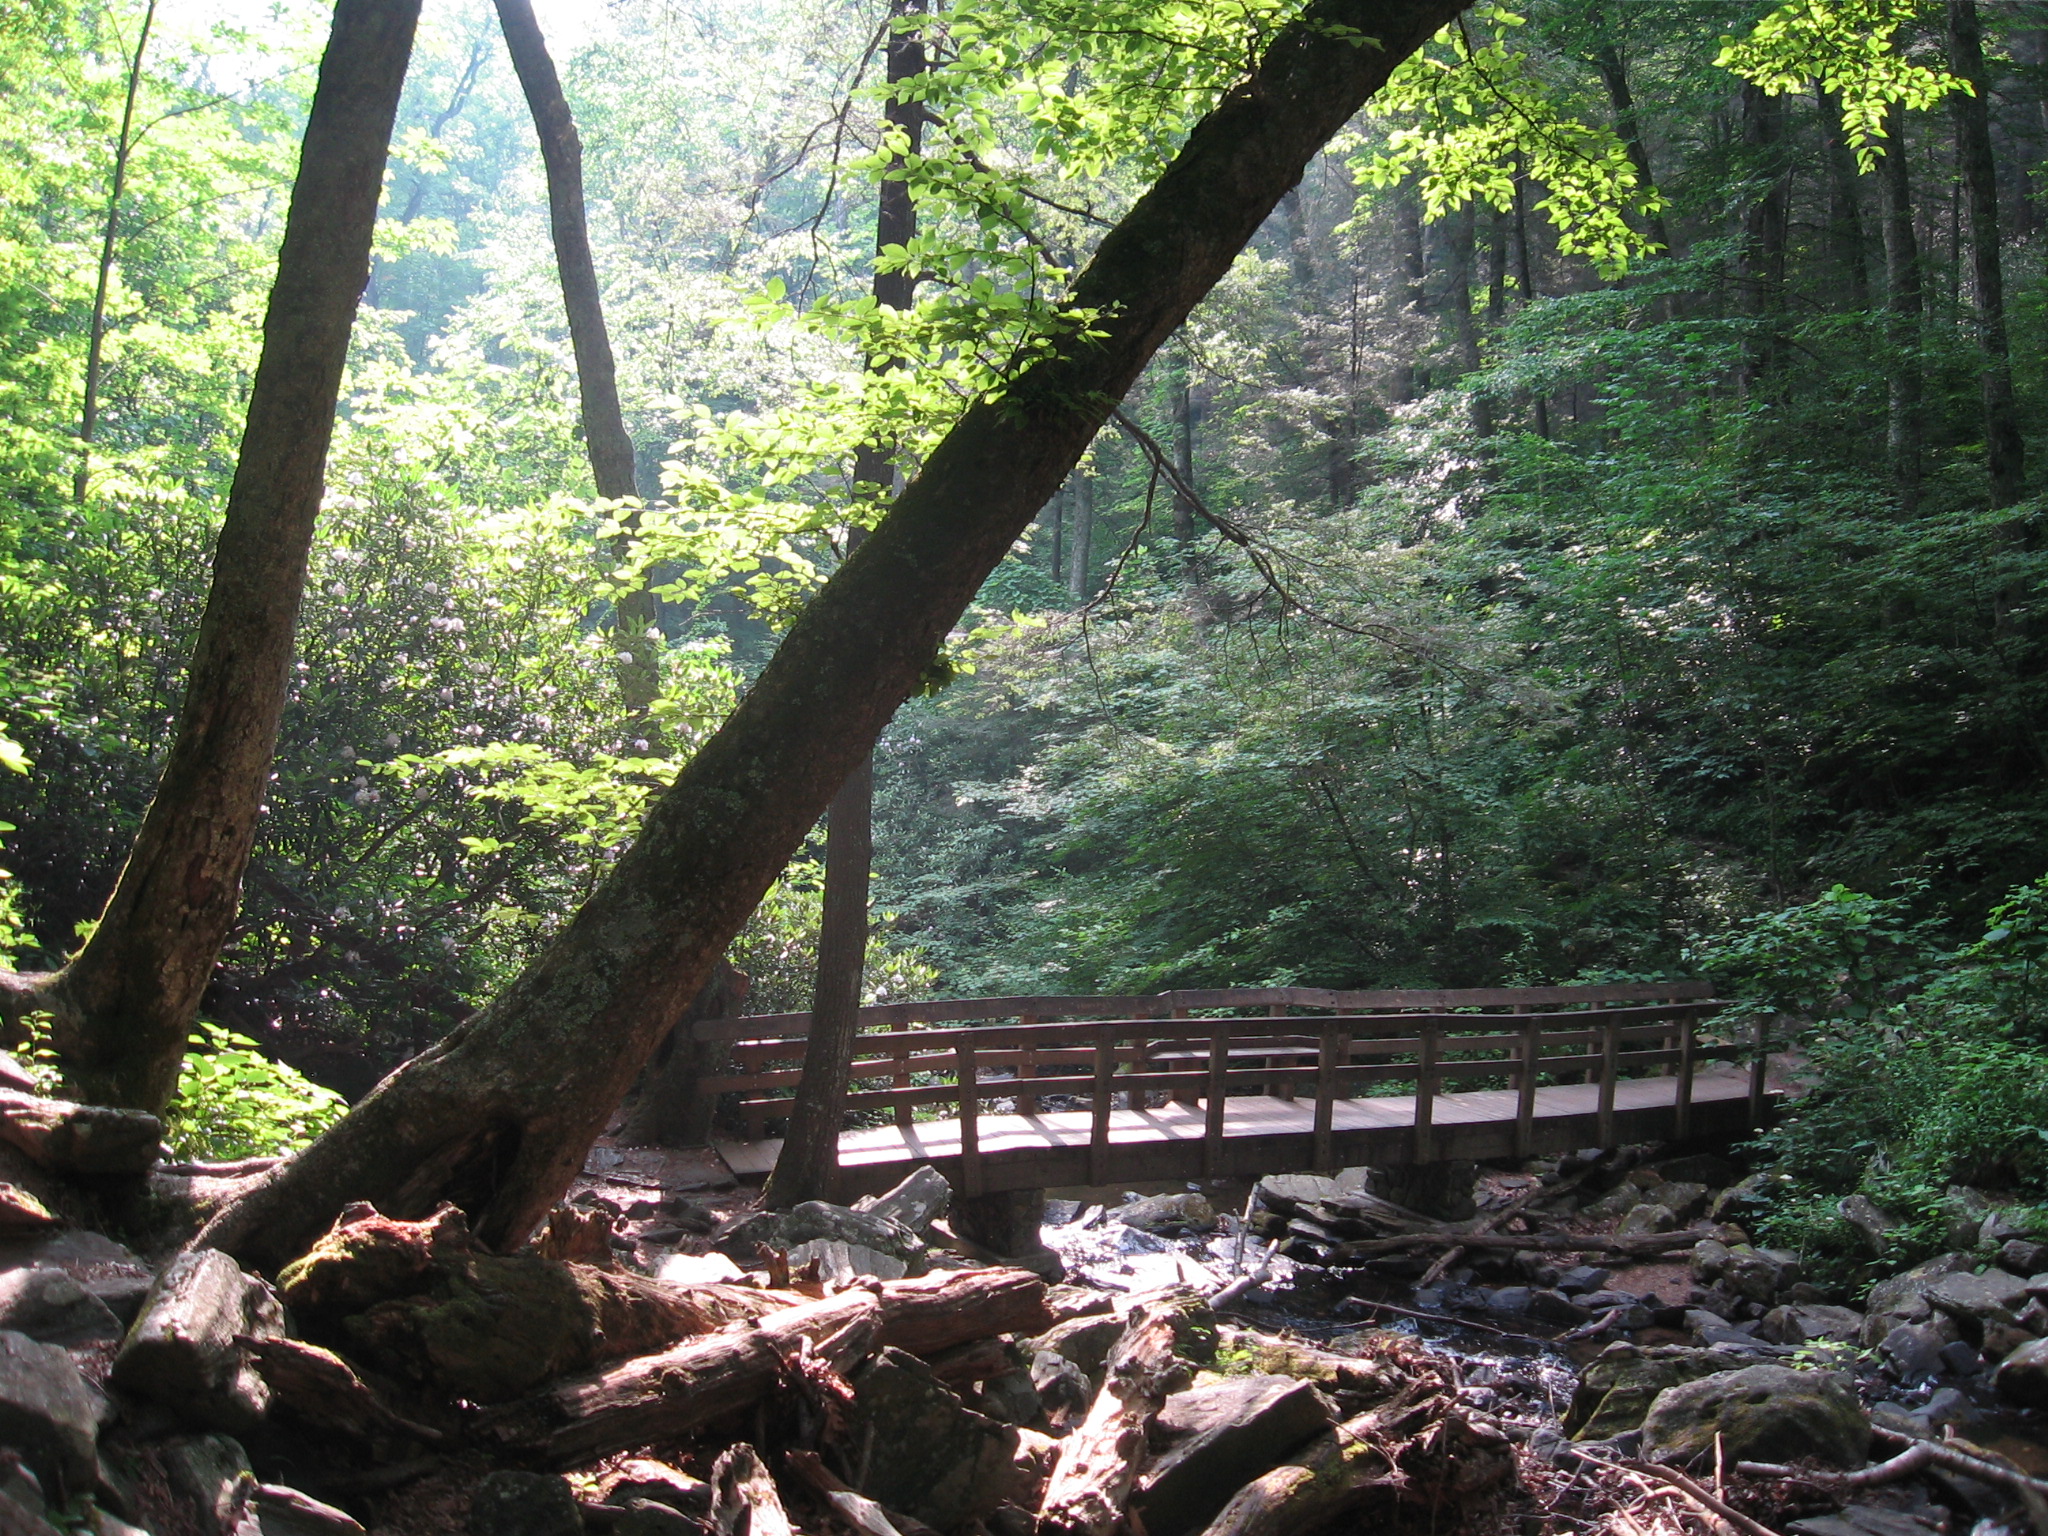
pixel 1589 1344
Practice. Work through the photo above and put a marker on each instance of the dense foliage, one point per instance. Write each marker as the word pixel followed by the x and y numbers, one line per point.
pixel 1511 574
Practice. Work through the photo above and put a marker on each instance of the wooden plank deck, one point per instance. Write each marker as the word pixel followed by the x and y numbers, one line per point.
pixel 1270 1135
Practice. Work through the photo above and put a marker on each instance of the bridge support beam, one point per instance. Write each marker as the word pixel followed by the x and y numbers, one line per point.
pixel 1005 1225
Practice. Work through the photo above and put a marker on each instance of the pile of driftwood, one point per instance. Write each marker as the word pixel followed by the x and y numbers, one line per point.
pixel 967 1399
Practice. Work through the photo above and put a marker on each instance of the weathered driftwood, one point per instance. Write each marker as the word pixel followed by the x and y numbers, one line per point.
pixel 322 1391
pixel 935 1312
pixel 1535 1242
pixel 188 1348
pixel 1098 1463
pixel 663 1397
pixel 80 1138
pixel 744 1501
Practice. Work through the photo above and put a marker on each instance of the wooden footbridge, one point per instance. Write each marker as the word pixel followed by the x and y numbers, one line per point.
pixel 1036 1092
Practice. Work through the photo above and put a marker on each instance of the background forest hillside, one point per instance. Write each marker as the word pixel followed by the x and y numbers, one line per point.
pixel 1520 588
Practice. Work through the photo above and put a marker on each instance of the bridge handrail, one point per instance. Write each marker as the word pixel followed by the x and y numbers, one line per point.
pixel 1156 1047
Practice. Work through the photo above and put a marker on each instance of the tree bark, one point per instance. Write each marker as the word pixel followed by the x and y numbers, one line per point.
pixel 2004 450
pixel 1098 1463
pixel 1464 265
pixel 125 1003
pixel 96 340
pixel 1525 275
pixel 1761 264
pixel 1845 208
pixel 1904 304
pixel 807 1166
pixel 670 1112
pixel 1080 546
pixel 605 438
pixel 499 1114
pixel 1621 100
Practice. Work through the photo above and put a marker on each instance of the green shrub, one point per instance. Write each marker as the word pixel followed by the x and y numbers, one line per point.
pixel 234 1101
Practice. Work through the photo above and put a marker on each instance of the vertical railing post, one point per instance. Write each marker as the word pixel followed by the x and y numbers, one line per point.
pixel 1186 1095
pixel 1759 1073
pixel 1525 1087
pixel 1098 1126
pixel 1609 1047
pixel 1682 1109
pixel 1212 1107
pixel 906 1113
pixel 1027 1067
pixel 1326 1097
pixel 1425 1096
pixel 967 1077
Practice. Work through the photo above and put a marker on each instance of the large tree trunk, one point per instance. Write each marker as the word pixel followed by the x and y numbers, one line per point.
pixel 597 378
pixel 2004 452
pixel 807 1167
pixel 1905 428
pixel 498 1115
pixel 125 1003
pixel 1845 208
pixel 1765 227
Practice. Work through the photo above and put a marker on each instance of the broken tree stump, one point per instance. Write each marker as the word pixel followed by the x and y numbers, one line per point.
pixel 744 1500
pixel 1098 1463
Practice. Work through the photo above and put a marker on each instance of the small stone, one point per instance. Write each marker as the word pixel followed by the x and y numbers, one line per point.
pixel 524 1504
pixel 1912 1351
pixel 49 1305
pixel 2023 1256
pixel 1556 1307
pixel 1646 1220
pixel 48 1413
pixel 1950 1405
pixel 1873 1224
pixel 2022 1376
pixel 1811 1324
pixel 1168 1213
pixel 1975 1300
pixel 1961 1359
pixel 1510 1300
pixel 1582 1277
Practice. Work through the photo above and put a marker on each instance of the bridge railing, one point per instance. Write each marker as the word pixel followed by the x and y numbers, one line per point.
pixel 1033 1055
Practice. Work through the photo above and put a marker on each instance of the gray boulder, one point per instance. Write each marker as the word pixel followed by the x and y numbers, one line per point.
pixel 1811 1324
pixel 1684 1199
pixel 933 1458
pixel 1912 1351
pixel 1872 1223
pixel 1646 1219
pixel 920 1200
pixel 1760 1413
pixel 49 1305
pixel 2022 1376
pixel 1617 1387
pixel 185 1350
pixel 1168 1213
pixel 48 1413
pixel 816 1220
pixel 1903 1298
pixel 1086 1341
pixel 524 1504
pixel 1976 1301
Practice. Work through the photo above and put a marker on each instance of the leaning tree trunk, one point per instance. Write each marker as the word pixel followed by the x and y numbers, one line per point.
pixel 2004 451
pixel 125 1003
pixel 807 1167
pixel 1905 428
pixel 498 1115
pixel 597 377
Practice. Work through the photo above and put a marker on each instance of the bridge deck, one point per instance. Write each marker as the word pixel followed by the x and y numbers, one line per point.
pixel 1266 1135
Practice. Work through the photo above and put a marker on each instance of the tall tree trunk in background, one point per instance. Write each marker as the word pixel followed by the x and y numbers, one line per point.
pixel 1320 375
pixel 808 1164
pixel 96 337
pixel 1181 398
pixel 1621 100
pixel 1057 559
pixel 1765 226
pixel 1905 427
pixel 499 1115
pixel 1845 208
pixel 1407 382
pixel 2004 452
pixel 1525 275
pixel 1464 276
pixel 126 1002
pixel 1079 547
pixel 636 612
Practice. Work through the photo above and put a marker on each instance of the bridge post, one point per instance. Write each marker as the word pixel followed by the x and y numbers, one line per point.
pixel 1027 1067
pixel 1425 1096
pixel 1608 1066
pixel 1525 1087
pixel 967 1078
pixel 1682 1120
pixel 1326 1096
pixel 1098 1127
pixel 1212 1108
pixel 1759 1073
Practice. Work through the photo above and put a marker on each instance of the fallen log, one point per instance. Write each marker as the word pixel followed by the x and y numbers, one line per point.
pixel 663 1397
pixel 322 1391
pixel 744 1500
pixel 189 1349
pixel 1533 1242
pixel 1098 1463
pixel 935 1312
